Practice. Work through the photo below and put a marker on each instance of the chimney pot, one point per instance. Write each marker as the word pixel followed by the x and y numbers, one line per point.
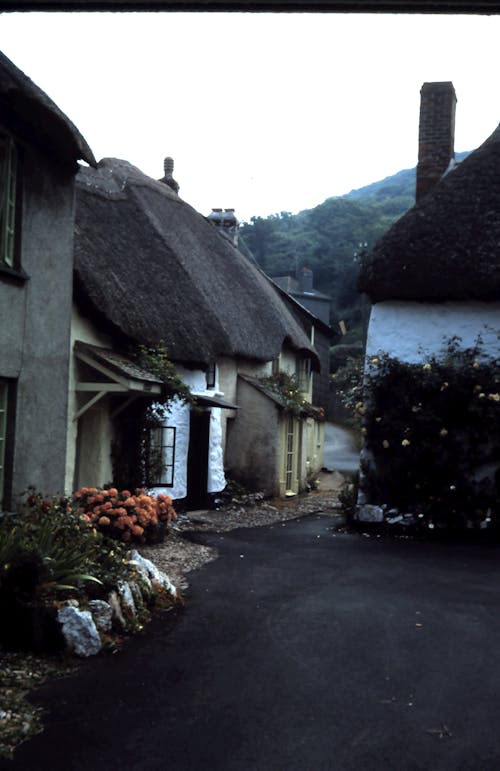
pixel 168 169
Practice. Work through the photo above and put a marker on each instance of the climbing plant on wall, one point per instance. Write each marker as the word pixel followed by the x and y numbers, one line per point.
pixel 135 460
pixel 431 436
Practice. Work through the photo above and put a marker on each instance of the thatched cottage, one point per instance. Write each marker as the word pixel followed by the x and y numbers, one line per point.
pixel 312 308
pixel 150 269
pixel 434 278
pixel 39 151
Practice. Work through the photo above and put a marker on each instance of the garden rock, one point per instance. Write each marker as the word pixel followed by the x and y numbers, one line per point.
pixel 137 594
pixel 102 614
pixel 116 608
pixel 149 571
pixel 79 630
pixel 370 513
pixel 126 597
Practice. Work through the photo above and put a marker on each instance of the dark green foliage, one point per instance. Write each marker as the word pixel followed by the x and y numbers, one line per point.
pixel 50 551
pixel 339 353
pixel 288 390
pixel 348 497
pixel 432 430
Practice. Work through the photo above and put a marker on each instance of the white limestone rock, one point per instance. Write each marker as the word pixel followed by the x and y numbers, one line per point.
pixel 102 614
pixel 148 569
pixel 118 617
pixel 126 597
pixel 79 630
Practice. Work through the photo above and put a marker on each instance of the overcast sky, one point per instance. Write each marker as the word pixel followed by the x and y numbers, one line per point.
pixel 261 112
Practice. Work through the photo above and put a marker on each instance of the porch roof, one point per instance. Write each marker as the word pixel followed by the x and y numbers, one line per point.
pixel 205 400
pixel 117 374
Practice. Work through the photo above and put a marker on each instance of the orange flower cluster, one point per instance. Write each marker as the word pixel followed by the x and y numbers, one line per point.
pixel 123 515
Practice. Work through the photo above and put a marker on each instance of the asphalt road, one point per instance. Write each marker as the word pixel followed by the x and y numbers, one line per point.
pixel 298 650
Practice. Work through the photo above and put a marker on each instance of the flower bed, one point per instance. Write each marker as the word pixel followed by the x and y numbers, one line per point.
pixel 128 517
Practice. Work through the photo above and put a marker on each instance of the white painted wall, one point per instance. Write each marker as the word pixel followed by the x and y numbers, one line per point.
pixel 178 417
pixel 413 331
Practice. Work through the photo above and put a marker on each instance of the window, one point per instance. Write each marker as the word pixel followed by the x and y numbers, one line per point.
pixel 161 456
pixel 304 375
pixel 6 430
pixel 289 452
pixel 211 372
pixel 8 202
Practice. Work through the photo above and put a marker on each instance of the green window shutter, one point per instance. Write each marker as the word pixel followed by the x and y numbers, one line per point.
pixel 8 175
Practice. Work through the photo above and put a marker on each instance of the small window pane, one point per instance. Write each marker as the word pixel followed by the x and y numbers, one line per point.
pixel 161 456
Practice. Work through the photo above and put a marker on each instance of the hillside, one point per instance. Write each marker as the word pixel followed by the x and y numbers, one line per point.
pixel 330 239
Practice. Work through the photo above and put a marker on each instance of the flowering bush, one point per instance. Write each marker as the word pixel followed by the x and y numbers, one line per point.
pixel 290 393
pixel 429 430
pixel 125 516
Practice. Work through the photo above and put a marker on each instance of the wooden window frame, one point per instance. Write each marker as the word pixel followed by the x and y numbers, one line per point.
pixel 10 204
pixel 168 441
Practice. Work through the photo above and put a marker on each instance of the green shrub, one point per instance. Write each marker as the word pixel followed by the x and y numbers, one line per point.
pixel 429 428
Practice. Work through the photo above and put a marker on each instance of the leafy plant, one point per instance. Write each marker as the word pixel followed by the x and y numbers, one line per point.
pixel 132 461
pixel 429 430
pixel 287 388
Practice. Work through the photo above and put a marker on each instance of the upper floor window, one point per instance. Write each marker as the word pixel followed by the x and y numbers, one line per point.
pixel 211 375
pixel 304 374
pixel 9 163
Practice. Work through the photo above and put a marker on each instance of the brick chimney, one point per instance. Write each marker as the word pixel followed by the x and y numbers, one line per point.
pixel 305 279
pixel 436 140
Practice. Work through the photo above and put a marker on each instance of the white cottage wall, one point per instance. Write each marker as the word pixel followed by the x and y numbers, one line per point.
pixel 178 417
pixel 414 331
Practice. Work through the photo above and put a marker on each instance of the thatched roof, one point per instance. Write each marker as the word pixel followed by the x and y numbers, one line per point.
pixel 152 268
pixel 38 119
pixel 447 247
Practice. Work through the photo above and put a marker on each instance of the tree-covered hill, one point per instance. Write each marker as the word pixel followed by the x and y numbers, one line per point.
pixel 330 238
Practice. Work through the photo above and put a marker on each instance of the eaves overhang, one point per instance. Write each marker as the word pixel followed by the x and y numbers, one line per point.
pixel 115 374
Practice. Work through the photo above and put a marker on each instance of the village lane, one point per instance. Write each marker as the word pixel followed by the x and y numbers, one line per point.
pixel 299 649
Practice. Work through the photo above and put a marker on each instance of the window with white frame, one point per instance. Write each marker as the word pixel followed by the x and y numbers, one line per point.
pixel 161 456
pixel 304 374
pixel 9 251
